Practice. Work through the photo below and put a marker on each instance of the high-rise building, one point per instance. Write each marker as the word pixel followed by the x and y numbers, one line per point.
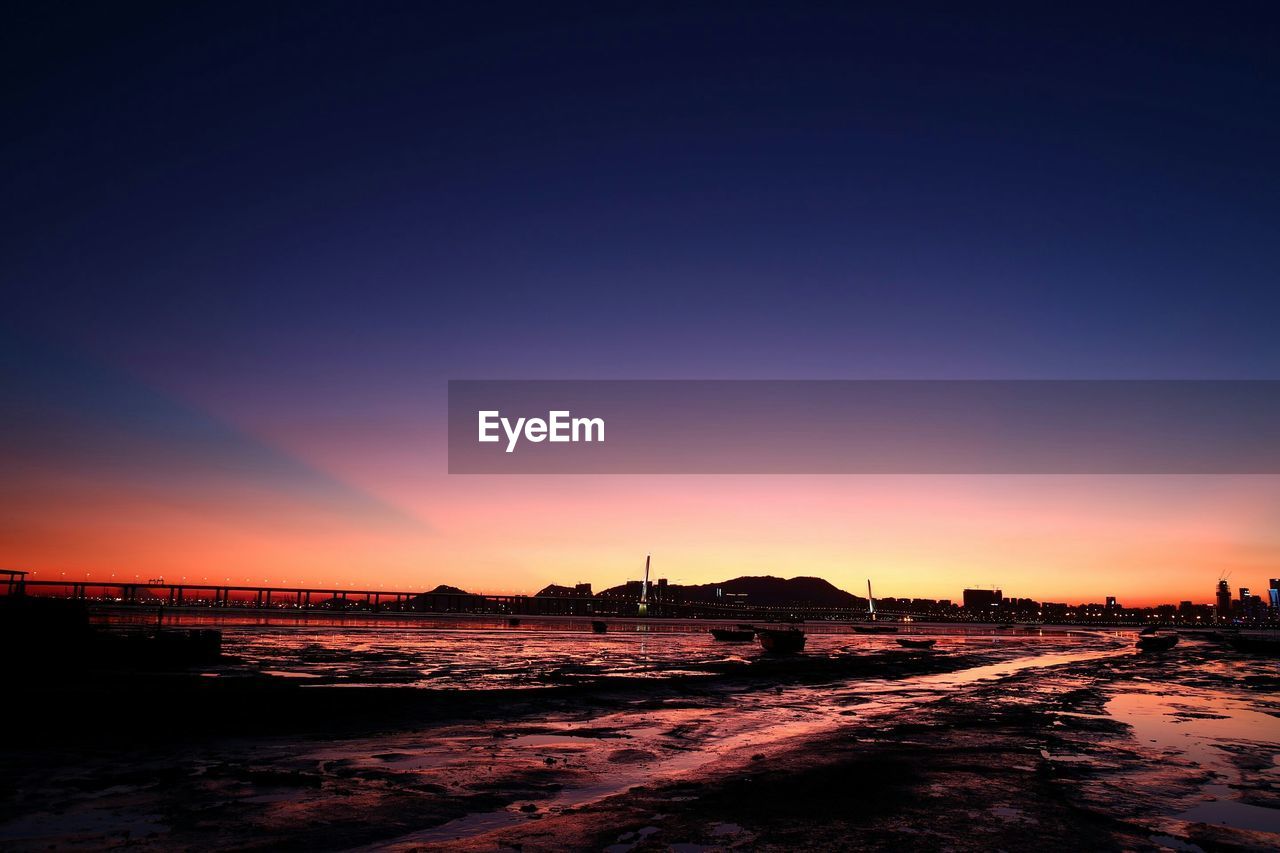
pixel 1244 594
pixel 1274 593
pixel 1111 602
pixel 1224 600
pixel 982 599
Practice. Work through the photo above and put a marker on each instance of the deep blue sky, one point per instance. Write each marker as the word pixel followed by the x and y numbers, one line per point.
pixel 244 245
pixel 257 197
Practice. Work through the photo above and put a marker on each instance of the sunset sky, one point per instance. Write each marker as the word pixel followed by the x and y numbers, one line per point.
pixel 245 248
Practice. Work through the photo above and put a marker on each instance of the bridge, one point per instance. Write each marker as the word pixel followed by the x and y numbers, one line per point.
pixel 205 595
pixel 158 593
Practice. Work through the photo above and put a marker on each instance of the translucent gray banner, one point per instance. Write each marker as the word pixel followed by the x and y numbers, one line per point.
pixel 864 427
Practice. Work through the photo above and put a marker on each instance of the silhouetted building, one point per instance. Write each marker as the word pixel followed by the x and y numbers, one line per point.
pixel 1055 612
pixel 981 600
pixel 1274 593
pixel 1111 602
pixel 1224 600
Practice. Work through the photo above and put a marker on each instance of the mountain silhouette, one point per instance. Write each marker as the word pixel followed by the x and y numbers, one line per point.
pixel 763 590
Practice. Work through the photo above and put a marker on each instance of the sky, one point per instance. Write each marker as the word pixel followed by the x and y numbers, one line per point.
pixel 245 247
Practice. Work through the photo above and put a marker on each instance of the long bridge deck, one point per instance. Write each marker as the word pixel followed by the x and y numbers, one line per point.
pixel 206 595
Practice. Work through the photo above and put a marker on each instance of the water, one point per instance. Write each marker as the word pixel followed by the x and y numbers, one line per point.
pixel 473 659
pixel 541 761
pixel 759 723
pixel 1207 727
pixel 468 653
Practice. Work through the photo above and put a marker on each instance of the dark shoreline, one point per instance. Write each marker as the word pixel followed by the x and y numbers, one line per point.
pixel 181 706
pixel 911 751
pixel 932 780
pixel 104 730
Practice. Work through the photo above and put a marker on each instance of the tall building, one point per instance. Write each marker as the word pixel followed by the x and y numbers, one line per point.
pixel 982 599
pixel 1274 593
pixel 1224 600
pixel 1244 594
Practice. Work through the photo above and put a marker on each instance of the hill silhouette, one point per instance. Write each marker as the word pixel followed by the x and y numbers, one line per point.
pixel 765 590
pixel 445 589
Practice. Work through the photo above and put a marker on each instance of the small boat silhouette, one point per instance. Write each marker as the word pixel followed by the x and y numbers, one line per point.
pixel 741 634
pixel 1157 642
pixel 916 644
pixel 781 640
pixel 599 627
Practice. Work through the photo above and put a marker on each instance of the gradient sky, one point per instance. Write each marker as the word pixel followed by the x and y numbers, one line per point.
pixel 244 247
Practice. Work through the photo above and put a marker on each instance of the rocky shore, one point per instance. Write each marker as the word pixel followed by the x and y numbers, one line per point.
pixel 1008 748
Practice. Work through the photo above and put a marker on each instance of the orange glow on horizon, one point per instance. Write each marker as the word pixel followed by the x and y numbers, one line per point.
pixel 1064 539
pixel 301 499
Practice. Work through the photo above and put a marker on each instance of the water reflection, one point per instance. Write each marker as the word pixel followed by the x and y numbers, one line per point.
pixel 1208 728
pixel 443 653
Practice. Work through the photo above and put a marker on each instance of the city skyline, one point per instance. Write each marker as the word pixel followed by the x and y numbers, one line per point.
pixel 1267 600
pixel 227 341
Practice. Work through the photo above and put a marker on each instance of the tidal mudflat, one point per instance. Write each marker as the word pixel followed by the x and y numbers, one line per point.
pixel 323 741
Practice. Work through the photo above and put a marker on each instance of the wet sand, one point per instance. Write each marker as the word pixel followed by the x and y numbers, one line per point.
pixel 1122 751
pixel 1053 745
